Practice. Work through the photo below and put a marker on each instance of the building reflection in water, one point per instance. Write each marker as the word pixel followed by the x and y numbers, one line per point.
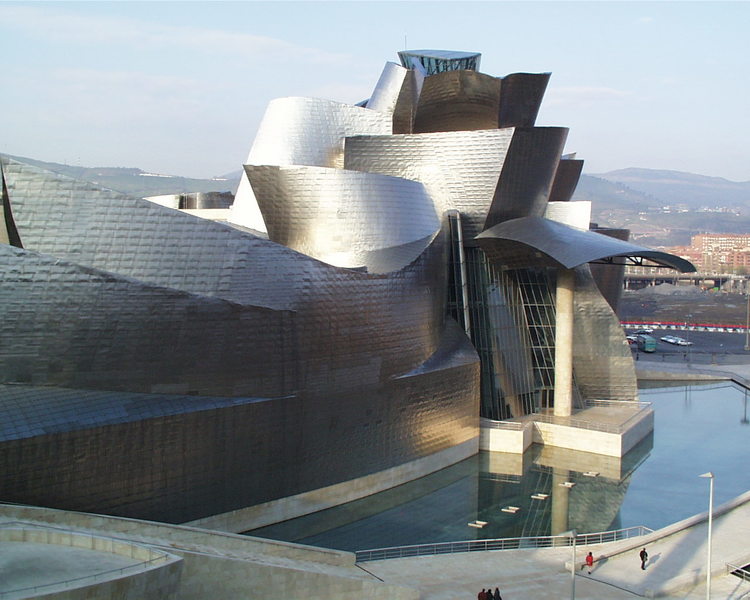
pixel 554 490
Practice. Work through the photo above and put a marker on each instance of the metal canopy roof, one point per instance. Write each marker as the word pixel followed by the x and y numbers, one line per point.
pixel 571 247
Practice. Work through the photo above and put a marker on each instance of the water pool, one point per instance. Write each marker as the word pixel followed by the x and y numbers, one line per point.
pixel 698 428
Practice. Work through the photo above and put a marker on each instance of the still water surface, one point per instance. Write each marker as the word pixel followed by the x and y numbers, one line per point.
pixel 698 428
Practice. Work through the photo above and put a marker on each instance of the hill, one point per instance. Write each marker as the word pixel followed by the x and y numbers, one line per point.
pixel 686 189
pixel 666 208
pixel 136 182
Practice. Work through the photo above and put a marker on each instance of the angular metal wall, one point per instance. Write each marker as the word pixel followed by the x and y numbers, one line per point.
pixel 520 98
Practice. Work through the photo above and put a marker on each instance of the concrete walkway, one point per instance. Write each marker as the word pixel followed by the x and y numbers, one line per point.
pixel 676 566
pixel 647 369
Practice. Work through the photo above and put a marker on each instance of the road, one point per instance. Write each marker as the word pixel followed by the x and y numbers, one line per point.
pixel 708 347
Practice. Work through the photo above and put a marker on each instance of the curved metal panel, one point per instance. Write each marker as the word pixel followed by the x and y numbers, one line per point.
pixel 81 327
pixel 337 308
pixel 576 214
pixel 461 169
pixel 528 172
pixel 565 245
pixel 521 96
pixel 388 88
pixel 458 101
pixel 610 278
pixel 602 360
pixel 311 131
pixel 302 131
pixel 8 231
pixel 566 179
pixel 344 217
pixel 408 99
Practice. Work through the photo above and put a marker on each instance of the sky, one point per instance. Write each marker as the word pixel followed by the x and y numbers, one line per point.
pixel 179 88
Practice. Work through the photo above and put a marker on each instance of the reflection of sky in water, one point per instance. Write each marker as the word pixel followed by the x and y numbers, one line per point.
pixel 697 429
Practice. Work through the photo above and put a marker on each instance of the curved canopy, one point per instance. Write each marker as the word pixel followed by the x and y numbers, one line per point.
pixel 566 246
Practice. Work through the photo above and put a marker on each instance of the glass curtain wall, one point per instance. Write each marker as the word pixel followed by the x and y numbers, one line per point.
pixel 512 314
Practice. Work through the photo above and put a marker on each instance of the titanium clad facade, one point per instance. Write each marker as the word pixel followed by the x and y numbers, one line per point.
pixel 387 90
pixel 458 101
pixel 461 169
pixel 520 98
pixel 527 175
pixel 345 218
pixel 609 278
pixel 302 131
pixel 407 102
pixel 566 179
pixel 602 360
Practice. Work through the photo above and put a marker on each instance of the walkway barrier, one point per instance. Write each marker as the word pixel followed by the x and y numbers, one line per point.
pixel 590 425
pixel 18 532
pixel 738 571
pixel 510 425
pixel 637 406
pixel 546 541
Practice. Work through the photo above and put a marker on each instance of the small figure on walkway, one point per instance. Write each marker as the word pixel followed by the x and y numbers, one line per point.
pixel 496 595
pixel 482 595
pixel 590 561
pixel 644 557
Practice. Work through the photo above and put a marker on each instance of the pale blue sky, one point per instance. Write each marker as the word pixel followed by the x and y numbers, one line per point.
pixel 180 87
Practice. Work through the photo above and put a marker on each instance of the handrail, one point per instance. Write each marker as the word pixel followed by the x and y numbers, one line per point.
pixel 574 421
pixel 584 423
pixel 492 424
pixel 738 571
pixel 545 541
pixel 157 557
pixel 602 402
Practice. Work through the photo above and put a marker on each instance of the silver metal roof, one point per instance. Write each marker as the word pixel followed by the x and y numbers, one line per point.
pixel 571 247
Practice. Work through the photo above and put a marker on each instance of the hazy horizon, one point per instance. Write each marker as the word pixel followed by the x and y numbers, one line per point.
pixel 179 88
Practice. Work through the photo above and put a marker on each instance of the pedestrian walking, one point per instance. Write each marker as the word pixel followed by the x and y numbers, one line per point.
pixel 482 595
pixel 644 557
pixel 496 595
pixel 590 561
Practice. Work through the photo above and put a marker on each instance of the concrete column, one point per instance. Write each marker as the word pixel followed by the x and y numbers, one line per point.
pixel 564 343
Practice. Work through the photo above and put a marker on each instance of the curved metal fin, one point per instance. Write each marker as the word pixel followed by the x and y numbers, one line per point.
pixel 8 232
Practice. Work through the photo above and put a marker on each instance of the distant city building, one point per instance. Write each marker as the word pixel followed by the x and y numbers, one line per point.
pixel 389 273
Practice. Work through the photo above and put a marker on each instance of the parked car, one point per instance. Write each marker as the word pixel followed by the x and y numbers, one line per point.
pixel 645 330
pixel 670 339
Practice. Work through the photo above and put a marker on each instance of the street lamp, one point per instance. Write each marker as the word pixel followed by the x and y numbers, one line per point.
pixel 747 319
pixel 710 477
pixel 572 534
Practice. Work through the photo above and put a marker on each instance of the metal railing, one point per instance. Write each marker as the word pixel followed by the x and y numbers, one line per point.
pixel 511 425
pixel 584 423
pixel 627 403
pixel 739 571
pixel 546 541
pixel 155 558
pixel 572 421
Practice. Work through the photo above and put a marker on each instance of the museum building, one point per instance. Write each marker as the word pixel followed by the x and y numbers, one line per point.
pixel 388 274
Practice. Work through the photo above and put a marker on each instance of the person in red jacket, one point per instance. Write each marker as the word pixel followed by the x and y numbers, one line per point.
pixel 590 561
